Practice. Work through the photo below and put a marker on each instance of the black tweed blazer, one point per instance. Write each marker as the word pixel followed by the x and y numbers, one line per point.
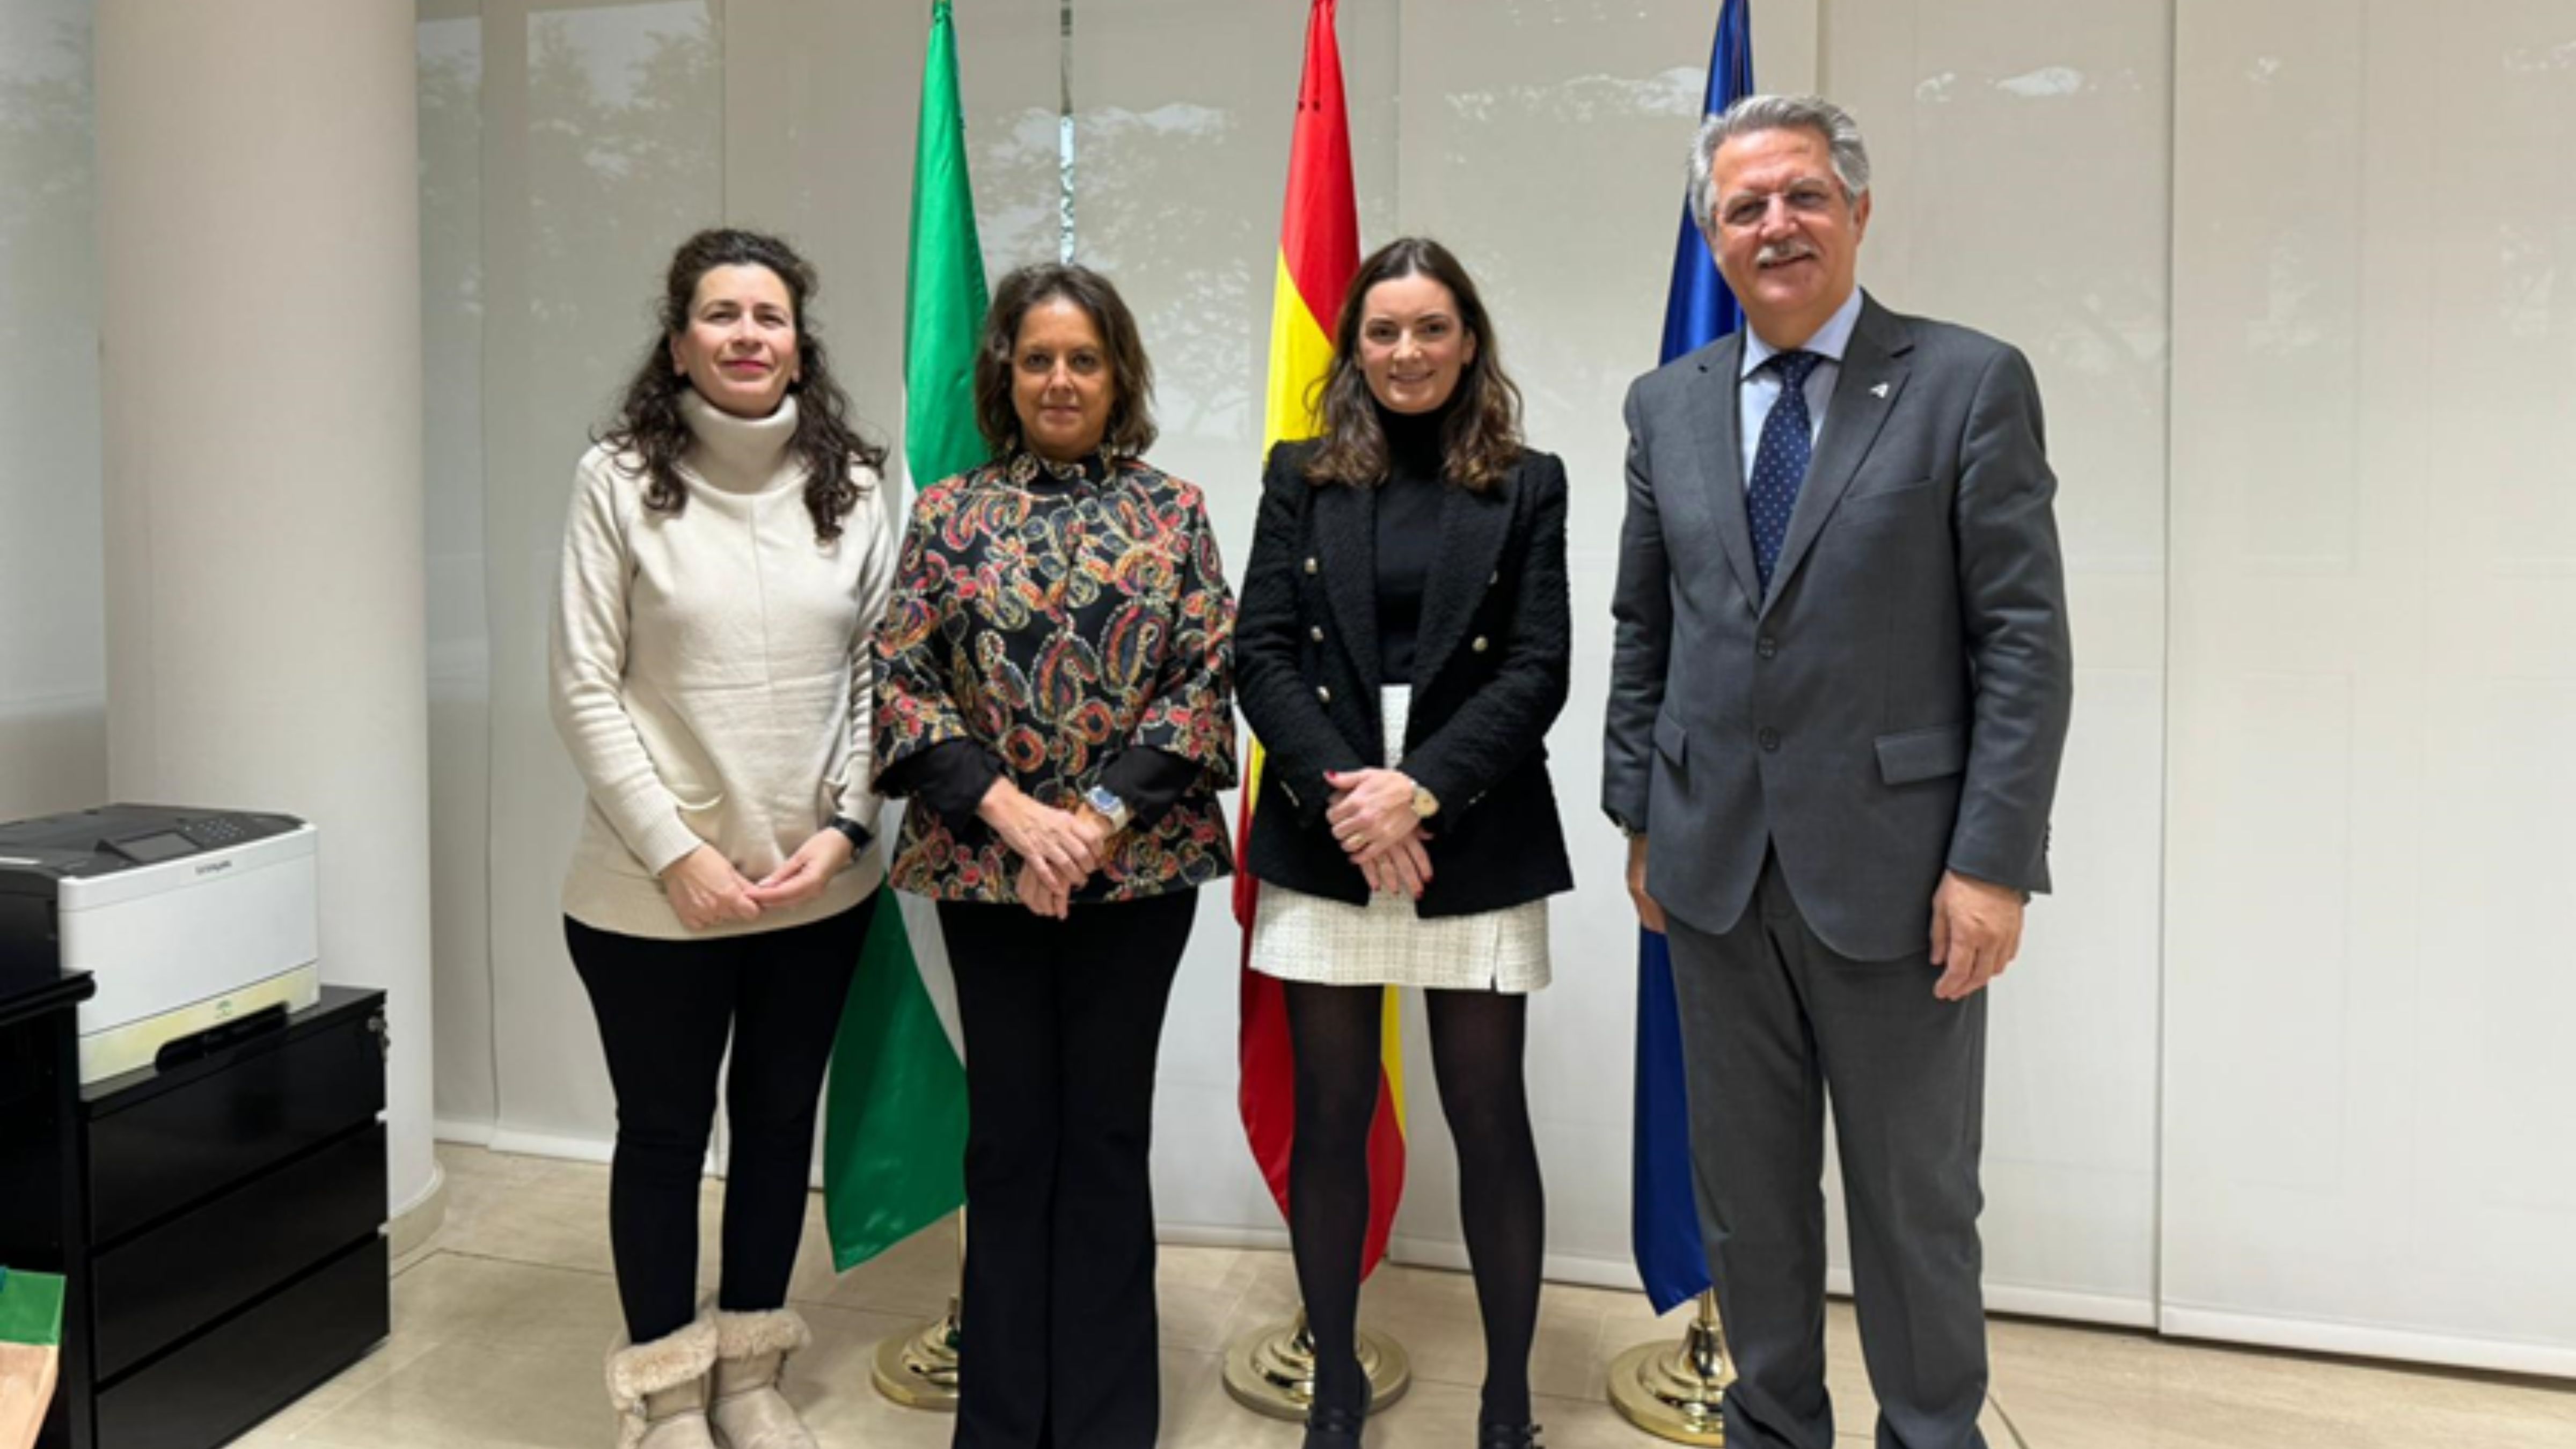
pixel 1490 671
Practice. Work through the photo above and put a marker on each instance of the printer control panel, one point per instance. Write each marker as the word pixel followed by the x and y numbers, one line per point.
pixel 188 836
pixel 86 844
pixel 214 832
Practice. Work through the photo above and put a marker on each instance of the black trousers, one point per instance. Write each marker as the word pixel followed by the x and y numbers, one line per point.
pixel 666 1010
pixel 1062 1021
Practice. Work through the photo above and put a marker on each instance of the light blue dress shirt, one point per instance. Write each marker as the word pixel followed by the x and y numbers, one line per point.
pixel 1756 389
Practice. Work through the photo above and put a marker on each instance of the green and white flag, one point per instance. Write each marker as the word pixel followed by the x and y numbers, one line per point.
pixel 31 1335
pixel 894 1149
pixel 944 294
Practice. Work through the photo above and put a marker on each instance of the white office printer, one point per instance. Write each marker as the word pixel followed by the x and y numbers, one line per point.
pixel 191 921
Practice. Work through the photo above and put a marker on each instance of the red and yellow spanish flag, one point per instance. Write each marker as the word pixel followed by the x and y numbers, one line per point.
pixel 1319 250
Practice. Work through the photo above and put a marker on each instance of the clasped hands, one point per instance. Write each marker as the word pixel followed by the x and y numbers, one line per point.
pixel 1058 849
pixel 1372 817
pixel 706 890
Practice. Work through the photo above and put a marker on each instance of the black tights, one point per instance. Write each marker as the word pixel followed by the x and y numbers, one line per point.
pixel 1476 1044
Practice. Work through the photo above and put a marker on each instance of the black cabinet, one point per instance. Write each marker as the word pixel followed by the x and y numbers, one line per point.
pixel 219 1221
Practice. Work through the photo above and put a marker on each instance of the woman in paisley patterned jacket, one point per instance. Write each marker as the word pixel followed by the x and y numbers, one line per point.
pixel 1055 694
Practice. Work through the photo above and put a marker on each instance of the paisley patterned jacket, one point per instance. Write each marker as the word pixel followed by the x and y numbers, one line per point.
pixel 1058 618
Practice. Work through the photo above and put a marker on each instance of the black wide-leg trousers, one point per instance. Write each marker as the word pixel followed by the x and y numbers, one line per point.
pixel 1062 1021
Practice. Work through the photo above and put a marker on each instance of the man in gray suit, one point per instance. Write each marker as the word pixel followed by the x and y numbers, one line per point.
pixel 1838 699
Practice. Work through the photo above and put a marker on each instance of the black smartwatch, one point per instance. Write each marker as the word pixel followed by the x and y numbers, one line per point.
pixel 859 835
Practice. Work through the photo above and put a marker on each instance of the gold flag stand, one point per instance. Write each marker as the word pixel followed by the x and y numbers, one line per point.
pixel 1672 1390
pixel 1271 1370
pixel 919 1370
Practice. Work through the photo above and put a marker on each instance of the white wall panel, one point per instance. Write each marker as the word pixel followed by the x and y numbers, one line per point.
pixel 460 675
pixel 53 641
pixel 2374 676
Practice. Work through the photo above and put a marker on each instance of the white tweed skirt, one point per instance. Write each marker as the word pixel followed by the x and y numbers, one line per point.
pixel 1298 937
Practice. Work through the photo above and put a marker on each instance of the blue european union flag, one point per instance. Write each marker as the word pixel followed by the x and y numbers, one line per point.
pixel 1699 310
pixel 1664 1215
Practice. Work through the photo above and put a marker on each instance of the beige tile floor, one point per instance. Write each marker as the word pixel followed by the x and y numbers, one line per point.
pixel 500 1322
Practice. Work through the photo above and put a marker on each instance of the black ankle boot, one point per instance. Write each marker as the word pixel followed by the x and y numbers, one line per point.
pixel 1330 1426
pixel 1507 1436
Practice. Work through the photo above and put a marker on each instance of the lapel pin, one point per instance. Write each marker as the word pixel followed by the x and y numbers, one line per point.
pixel 1879 392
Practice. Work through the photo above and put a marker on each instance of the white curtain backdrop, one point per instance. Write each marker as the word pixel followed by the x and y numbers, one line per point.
pixel 53 622
pixel 2281 1061
pixel 2279 1070
pixel 2374 683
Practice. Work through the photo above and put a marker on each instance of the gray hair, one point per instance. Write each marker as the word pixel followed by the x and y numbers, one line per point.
pixel 1777 113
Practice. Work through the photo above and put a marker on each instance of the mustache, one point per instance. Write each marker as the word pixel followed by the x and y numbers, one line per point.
pixel 1778 252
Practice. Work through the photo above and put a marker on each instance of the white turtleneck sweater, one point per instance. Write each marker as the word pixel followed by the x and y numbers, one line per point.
pixel 711 671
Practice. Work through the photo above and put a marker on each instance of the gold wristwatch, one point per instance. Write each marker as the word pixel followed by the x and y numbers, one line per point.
pixel 1425 804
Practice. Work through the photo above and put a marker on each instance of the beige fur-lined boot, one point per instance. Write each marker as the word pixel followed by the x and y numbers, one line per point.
pixel 751 1352
pixel 660 1390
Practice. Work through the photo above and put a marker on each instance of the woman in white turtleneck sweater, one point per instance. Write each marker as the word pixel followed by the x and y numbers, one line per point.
pixel 729 551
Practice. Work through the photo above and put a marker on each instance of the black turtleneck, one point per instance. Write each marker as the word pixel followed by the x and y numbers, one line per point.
pixel 1408 533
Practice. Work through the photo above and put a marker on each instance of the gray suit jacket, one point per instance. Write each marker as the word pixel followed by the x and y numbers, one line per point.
pixel 1899 702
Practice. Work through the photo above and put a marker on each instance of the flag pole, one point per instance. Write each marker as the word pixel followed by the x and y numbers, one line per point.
pixel 919 1370
pixel 1271 1370
pixel 1672 1391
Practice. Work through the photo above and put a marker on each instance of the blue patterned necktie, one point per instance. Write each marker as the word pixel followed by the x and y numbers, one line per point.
pixel 1780 463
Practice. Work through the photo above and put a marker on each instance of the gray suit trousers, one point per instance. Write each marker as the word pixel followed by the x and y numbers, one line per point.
pixel 1775 1025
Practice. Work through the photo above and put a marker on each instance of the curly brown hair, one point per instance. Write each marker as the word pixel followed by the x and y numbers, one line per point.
pixel 1482 438
pixel 1130 429
pixel 649 425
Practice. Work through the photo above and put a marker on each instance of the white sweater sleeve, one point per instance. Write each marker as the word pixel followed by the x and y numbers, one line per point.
pixel 587 659
pixel 878 520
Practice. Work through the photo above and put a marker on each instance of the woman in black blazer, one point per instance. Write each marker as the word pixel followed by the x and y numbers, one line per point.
pixel 1401 651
